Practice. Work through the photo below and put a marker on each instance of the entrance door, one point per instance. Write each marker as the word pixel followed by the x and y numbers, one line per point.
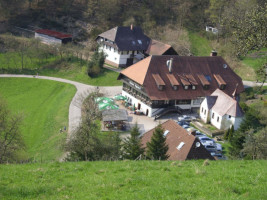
pixel 139 106
pixel 147 112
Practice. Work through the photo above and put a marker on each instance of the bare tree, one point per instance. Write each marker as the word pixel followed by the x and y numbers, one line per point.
pixel 10 136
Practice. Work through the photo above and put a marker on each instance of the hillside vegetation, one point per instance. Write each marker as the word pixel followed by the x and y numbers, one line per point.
pixel 135 180
pixel 44 105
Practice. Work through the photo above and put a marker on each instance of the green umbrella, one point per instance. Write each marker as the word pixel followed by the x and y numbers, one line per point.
pixel 119 97
pixel 103 100
pixel 108 106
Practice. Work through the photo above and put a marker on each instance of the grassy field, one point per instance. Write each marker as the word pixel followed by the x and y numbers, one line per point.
pixel 135 180
pixel 53 66
pixel 44 105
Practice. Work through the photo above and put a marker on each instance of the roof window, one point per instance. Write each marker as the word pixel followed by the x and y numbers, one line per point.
pixel 179 147
pixel 166 133
pixel 139 41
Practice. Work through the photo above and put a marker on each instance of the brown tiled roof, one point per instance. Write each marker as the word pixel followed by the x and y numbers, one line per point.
pixel 142 71
pixel 157 48
pixel 172 80
pixel 158 79
pixel 219 79
pixel 176 136
pixel 203 80
pixel 225 104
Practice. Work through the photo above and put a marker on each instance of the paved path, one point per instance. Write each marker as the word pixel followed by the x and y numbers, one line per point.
pixel 252 84
pixel 82 91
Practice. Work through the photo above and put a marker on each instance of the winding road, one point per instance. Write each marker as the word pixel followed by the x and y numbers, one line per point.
pixel 82 91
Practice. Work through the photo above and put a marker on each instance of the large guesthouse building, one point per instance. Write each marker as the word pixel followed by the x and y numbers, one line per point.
pixel 165 82
pixel 125 46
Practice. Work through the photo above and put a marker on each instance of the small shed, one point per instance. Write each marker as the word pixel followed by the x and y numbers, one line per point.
pixel 52 37
pixel 115 118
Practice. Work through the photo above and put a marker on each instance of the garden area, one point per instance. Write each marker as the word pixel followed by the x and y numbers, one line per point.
pixel 44 106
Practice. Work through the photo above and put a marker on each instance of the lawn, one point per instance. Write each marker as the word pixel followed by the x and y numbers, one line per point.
pixel 200 46
pixel 255 58
pixel 135 180
pixel 44 105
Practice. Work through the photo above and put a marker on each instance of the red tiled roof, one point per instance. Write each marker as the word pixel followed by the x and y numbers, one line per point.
pixel 157 48
pixel 158 79
pixel 176 136
pixel 142 71
pixel 53 33
pixel 172 79
pixel 219 79
pixel 203 80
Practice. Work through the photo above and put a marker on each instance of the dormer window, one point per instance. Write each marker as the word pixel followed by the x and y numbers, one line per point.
pixel 186 87
pixel 193 87
pixel 220 81
pixel 173 81
pixel 205 81
pixel 159 82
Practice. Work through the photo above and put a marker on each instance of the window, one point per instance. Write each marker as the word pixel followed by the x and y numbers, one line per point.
pixel 212 115
pixel 183 102
pixel 166 133
pixel 205 112
pixel 193 87
pixel 202 109
pixel 175 87
pixel 180 146
pixel 222 87
pixel 206 87
pixel 186 87
pixel 229 116
pixel 166 102
pixel 218 119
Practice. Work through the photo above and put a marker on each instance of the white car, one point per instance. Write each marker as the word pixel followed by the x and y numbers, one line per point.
pixel 186 118
pixel 206 140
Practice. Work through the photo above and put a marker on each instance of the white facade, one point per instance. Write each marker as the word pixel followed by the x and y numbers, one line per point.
pixel 120 57
pixel 47 39
pixel 220 122
pixel 143 107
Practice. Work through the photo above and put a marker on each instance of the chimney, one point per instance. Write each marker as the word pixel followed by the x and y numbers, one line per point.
pixel 131 27
pixel 213 53
pixel 169 64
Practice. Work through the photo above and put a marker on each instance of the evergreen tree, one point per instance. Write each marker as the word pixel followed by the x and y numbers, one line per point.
pixel 226 134
pixel 231 133
pixel 157 147
pixel 132 145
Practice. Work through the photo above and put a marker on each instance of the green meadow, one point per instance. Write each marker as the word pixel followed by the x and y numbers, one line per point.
pixel 135 180
pixel 44 105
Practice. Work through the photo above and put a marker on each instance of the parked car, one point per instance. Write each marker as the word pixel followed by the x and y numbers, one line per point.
pixel 199 134
pixel 185 126
pixel 186 118
pixel 206 140
pixel 219 156
pixel 210 148
pixel 181 123
pixel 219 147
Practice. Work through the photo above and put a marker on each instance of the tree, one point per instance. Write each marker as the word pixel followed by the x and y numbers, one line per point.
pixel 132 148
pixel 95 65
pixel 261 74
pixel 10 135
pixel 157 147
pixel 88 142
pixel 249 31
pixel 256 144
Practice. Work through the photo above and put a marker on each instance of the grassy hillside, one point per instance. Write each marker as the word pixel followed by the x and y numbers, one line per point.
pixel 200 46
pixel 44 105
pixel 135 180
pixel 53 66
